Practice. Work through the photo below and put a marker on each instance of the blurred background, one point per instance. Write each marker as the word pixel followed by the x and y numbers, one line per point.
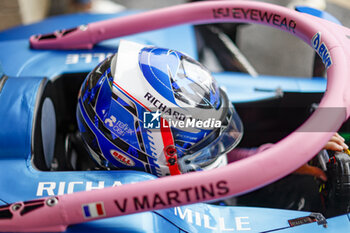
pixel 255 42
pixel 15 12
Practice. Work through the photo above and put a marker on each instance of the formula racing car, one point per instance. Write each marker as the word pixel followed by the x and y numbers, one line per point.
pixel 49 184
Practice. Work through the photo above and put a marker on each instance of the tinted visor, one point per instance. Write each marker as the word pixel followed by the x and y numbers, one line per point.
pixel 218 142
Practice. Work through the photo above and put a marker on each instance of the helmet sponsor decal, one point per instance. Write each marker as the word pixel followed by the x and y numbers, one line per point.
pixel 126 160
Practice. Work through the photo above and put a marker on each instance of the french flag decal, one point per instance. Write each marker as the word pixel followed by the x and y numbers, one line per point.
pixel 94 210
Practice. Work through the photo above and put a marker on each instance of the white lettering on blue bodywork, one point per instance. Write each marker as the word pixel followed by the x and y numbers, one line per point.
pixel 87 58
pixel 221 224
pixel 59 188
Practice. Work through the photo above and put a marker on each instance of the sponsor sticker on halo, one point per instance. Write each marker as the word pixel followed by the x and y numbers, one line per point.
pixel 321 49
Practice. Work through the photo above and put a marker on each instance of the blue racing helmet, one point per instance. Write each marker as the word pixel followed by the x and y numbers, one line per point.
pixel 155 110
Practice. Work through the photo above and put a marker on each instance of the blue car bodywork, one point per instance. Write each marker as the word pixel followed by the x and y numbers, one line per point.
pixel 28 73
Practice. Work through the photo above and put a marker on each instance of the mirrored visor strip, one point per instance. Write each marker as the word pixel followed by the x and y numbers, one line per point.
pixel 227 113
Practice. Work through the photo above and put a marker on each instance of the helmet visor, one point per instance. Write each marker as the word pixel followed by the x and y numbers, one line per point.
pixel 218 142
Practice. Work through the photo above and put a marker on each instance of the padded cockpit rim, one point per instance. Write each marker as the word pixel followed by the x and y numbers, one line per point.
pixel 45 90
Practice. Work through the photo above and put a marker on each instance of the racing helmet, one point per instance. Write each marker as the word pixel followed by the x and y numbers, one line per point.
pixel 155 110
